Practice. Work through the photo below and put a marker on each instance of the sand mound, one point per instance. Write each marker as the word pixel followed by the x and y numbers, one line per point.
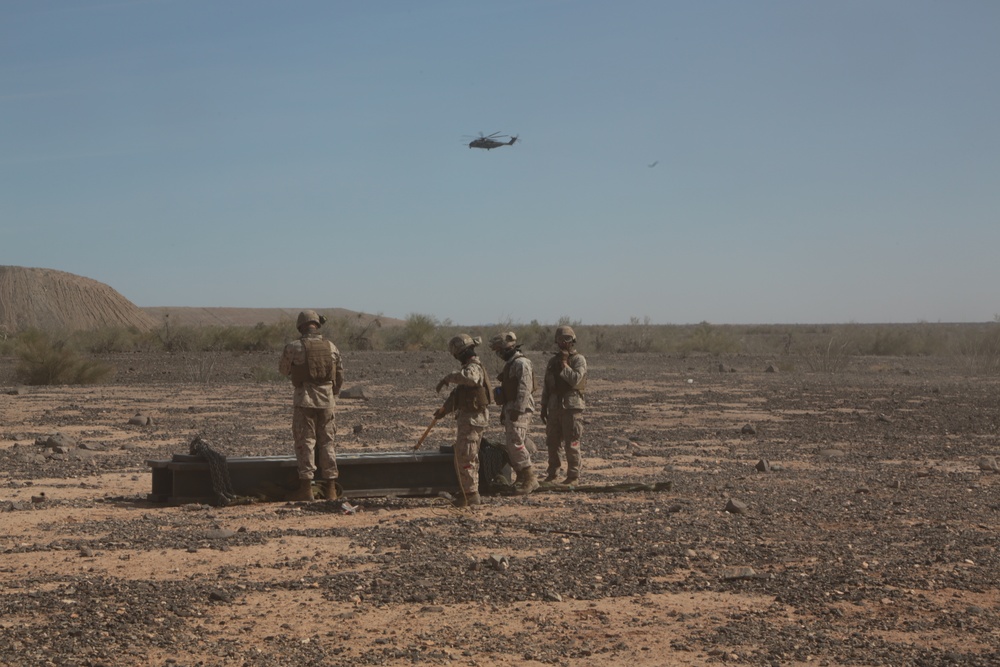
pixel 55 300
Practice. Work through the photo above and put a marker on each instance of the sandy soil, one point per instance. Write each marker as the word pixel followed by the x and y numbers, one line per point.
pixel 871 540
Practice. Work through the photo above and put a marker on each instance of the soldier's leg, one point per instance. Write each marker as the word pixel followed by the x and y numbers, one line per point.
pixel 304 432
pixel 467 457
pixel 326 453
pixel 553 442
pixel 572 432
pixel 516 431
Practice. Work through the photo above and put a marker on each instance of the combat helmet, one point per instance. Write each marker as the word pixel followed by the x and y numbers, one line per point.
pixel 462 342
pixel 503 341
pixel 565 334
pixel 309 316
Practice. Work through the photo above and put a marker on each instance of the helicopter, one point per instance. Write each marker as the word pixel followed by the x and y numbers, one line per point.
pixel 495 140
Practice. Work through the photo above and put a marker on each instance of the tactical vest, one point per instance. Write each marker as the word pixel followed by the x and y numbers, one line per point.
pixel 554 381
pixel 318 367
pixel 474 399
pixel 509 383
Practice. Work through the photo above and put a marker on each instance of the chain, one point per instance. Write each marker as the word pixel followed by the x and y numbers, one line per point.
pixel 219 469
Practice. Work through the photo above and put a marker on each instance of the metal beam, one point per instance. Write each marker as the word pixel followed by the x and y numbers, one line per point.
pixel 187 479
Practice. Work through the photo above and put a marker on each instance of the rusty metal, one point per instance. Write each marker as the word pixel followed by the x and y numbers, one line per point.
pixel 188 479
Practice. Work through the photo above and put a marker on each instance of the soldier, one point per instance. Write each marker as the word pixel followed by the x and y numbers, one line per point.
pixel 563 404
pixel 468 400
pixel 317 373
pixel 514 396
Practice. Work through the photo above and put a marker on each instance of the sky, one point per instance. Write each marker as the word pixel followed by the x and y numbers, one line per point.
pixel 774 161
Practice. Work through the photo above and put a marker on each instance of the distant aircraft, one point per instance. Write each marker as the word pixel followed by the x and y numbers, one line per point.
pixel 492 141
pixel 655 162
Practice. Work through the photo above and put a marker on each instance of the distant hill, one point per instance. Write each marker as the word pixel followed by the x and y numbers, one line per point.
pixel 47 299
pixel 240 317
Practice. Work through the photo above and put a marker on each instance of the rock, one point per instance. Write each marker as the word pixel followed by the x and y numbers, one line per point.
pixel 40 498
pixel 830 454
pixel 989 464
pixel 356 392
pixel 358 428
pixel 748 429
pixel 736 507
pixel 771 368
pixel 690 553
pixel 499 563
pixel 551 596
pixel 736 573
pixel 763 465
pixel 140 420
pixel 219 534
pixel 220 596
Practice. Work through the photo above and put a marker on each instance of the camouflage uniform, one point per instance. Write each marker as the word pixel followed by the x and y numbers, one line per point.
pixel 562 408
pixel 313 425
pixel 471 417
pixel 517 383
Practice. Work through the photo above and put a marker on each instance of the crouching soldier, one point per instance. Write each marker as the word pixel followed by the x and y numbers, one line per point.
pixel 469 401
pixel 514 396
pixel 563 404
pixel 314 365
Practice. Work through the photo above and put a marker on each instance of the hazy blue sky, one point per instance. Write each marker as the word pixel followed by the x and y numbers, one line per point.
pixel 816 161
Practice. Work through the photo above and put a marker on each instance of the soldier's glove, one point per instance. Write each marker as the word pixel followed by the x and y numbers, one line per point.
pixel 564 358
pixel 441 385
pixel 439 413
pixel 544 414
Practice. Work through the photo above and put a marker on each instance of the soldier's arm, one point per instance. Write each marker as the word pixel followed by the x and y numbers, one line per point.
pixel 338 374
pixel 285 365
pixel 524 385
pixel 576 371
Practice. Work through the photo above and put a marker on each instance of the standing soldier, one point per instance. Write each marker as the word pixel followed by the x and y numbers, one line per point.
pixel 468 400
pixel 315 367
pixel 563 404
pixel 514 396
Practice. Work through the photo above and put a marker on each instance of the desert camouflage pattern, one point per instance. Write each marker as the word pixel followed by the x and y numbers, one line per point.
pixel 517 380
pixel 313 423
pixel 563 402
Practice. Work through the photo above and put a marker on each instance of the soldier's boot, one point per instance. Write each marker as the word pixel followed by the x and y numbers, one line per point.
pixel 551 475
pixel 304 492
pixel 330 490
pixel 468 500
pixel 571 479
pixel 526 481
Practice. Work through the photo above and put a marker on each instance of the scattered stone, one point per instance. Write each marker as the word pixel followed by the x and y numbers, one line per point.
pixel 220 596
pixel 989 464
pixel 736 507
pixel 432 609
pixel 690 553
pixel 499 563
pixel 882 418
pixel 86 552
pixel 771 368
pixel 219 534
pixel 356 392
pixel 139 419
pixel 748 429
pixel 830 454
pixel 735 573
pixel 358 428
pixel 551 596
pixel 763 465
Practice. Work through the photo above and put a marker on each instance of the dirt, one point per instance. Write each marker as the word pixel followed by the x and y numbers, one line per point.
pixel 869 538
pixel 60 301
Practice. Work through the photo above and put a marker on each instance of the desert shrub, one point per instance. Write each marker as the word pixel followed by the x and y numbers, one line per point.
pixel 706 339
pixel 979 350
pixel 109 340
pixel 420 332
pixel 264 374
pixel 43 361
pixel 832 357
pixel 258 338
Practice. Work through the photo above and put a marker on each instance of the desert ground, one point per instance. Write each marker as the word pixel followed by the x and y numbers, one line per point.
pixel 861 530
